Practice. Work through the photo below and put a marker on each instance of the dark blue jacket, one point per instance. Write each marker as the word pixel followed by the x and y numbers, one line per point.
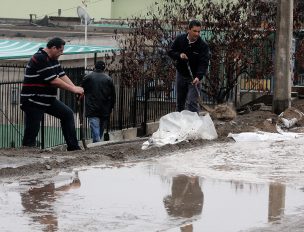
pixel 99 93
pixel 197 52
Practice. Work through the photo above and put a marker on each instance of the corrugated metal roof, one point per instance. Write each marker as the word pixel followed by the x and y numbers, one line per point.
pixel 13 49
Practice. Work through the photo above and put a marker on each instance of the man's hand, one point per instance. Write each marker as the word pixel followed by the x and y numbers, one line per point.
pixel 183 56
pixel 195 81
pixel 69 86
pixel 78 90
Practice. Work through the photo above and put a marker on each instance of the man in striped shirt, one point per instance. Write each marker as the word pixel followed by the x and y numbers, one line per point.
pixel 42 77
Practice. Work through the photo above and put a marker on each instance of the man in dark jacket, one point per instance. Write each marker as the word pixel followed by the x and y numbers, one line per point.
pixel 189 49
pixel 99 99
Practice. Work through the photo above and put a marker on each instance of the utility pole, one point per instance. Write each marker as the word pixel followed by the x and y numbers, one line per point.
pixel 283 56
pixel 84 2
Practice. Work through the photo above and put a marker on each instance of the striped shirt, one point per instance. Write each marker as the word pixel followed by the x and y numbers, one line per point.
pixel 40 71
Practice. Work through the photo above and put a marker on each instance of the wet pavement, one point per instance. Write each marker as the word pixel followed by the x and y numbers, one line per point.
pixel 219 188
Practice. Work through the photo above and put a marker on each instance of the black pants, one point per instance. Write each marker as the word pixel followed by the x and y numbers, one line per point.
pixel 33 117
pixel 187 94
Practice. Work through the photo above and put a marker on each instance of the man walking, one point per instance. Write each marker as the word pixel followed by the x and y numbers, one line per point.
pixel 99 99
pixel 189 49
pixel 43 75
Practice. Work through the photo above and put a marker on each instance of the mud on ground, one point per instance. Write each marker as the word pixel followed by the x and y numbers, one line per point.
pixel 45 162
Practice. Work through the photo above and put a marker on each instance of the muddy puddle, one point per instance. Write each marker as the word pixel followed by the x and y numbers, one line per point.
pixel 143 197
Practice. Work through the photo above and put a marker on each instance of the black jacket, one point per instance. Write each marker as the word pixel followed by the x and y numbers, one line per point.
pixel 99 93
pixel 197 52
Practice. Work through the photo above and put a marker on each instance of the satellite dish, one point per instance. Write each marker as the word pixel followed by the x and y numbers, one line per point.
pixel 83 15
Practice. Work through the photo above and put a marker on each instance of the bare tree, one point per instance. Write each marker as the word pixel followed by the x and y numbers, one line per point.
pixel 239 33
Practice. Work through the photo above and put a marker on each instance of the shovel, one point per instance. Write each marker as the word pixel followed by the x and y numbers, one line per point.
pixel 81 120
pixel 200 101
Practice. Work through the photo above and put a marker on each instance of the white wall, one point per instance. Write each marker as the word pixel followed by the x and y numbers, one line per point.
pixel 128 8
pixel 97 9
pixel 23 8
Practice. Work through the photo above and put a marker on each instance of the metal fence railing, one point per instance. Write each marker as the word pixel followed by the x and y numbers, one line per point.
pixel 135 106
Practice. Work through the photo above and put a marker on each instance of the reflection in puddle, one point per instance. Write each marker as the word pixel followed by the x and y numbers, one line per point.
pixel 276 201
pixel 187 197
pixel 38 203
pixel 141 198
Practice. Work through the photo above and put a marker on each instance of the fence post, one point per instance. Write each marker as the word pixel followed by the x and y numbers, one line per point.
pixel 42 132
pixel 95 58
pixel 120 107
pixel 134 108
pixel 144 124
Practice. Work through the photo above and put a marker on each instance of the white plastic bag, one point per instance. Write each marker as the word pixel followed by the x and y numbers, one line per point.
pixel 180 126
pixel 264 136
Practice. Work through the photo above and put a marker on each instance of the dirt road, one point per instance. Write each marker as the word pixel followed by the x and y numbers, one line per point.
pixel 16 162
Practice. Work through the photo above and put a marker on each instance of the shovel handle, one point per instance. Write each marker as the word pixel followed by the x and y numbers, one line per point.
pixel 190 71
pixel 200 101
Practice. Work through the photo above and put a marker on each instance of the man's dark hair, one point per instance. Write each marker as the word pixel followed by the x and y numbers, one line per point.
pixel 100 65
pixel 57 42
pixel 194 23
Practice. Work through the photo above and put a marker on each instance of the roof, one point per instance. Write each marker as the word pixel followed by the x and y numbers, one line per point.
pixel 14 49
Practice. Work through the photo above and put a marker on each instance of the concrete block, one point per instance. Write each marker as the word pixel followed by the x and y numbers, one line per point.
pixel 129 133
pixel 116 136
pixel 95 144
pixel 152 127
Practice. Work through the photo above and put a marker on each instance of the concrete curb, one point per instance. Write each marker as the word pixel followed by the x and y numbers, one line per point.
pixel 128 135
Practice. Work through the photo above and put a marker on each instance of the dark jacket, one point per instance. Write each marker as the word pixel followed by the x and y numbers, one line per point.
pixel 197 52
pixel 99 93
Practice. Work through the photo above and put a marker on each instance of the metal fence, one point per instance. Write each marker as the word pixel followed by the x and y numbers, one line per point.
pixel 135 106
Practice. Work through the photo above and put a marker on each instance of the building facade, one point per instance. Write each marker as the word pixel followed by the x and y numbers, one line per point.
pixel 97 9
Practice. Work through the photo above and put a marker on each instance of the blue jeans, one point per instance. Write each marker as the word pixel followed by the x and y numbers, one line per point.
pixel 187 94
pixel 33 117
pixel 97 127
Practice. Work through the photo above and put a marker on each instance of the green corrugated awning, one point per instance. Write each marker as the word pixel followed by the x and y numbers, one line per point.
pixel 13 49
